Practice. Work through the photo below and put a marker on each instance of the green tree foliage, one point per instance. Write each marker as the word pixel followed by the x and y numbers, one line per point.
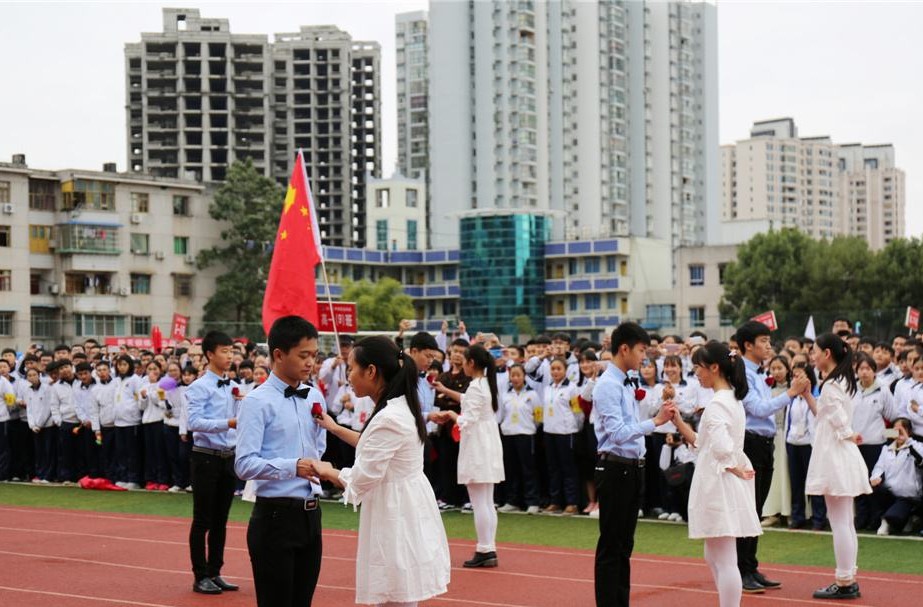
pixel 380 305
pixel 250 205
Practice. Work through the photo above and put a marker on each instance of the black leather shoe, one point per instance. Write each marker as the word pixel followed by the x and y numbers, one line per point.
pixel 761 579
pixel 835 591
pixel 224 585
pixel 206 586
pixel 751 586
pixel 482 559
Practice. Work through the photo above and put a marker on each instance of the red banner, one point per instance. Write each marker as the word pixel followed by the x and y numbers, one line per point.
pixel 768 319
pixel 343 312
pixel 180 325
pixel 912 321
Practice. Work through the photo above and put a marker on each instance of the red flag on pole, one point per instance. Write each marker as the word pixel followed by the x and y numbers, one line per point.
pixel 290 288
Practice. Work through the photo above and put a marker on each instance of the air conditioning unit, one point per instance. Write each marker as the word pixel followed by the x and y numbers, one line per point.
pixel 136 218
pixel 8 208
pixel 190 258
pixel 123 291
pixel 52 244
pixel 54 289
pixel 158 255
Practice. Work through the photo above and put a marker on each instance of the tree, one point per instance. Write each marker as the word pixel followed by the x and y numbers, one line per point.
pixel 250 204
pixel 381 305
pixel 524 325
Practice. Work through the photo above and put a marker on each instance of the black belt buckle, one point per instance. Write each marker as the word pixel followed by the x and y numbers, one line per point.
pixel 310 504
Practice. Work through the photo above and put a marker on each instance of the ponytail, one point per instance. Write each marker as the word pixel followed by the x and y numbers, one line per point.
pixel 842 356
pixel 398 371
pixel 730 365
pixel 483 360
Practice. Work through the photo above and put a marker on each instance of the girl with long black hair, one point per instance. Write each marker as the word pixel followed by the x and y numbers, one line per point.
pixel 722 499
pixel 480 454
pixel 837 470
pixel 403 554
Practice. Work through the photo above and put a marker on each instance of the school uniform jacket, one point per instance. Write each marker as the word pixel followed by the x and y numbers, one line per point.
pixel 901 469
pixel 562 414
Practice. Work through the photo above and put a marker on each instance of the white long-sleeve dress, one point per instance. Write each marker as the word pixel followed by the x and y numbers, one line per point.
pixel 480 453
pixel 720 503
pixel 836 467
pixel 403 554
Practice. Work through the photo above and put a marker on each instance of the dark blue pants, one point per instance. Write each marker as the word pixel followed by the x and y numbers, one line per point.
pixel 562 469
pixel 897 510
pixel 128 451
pixel 155 454
pixel 177 460
pixel 46 454
pixel 71 453
pixel 519 464
pixel 868 514
pixel 655 487
pixel 22 450
pixel 798 458
pixel 5 453
pixel 108 463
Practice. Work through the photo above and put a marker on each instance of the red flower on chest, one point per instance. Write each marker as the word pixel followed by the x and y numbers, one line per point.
pixel 640 394
pixel 770 381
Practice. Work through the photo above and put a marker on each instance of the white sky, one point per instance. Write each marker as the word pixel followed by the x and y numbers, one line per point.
pixel 850 70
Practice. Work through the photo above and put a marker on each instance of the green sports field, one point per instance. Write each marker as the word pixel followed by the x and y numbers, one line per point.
pixel 891 554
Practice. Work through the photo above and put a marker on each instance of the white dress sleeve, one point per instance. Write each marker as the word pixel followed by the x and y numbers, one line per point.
pixel 717 425
pixel 374 454
pixel 830 405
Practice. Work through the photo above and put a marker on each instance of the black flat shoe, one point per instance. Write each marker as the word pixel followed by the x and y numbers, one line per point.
pixel 206 586
pixel 751 586
pixel 768 584
pixel 835 591
pixel 482 559
pixel 224 585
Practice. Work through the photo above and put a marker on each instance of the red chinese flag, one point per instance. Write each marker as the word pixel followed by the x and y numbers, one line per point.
pixel 297 251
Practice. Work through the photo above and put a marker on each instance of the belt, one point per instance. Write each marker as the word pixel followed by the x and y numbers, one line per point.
pixel 289 502
pixel 768 439
pixel 222 453
pixel 618 459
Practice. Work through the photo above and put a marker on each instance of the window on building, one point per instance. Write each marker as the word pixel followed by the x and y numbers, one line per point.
pixel 6 280
pixel 697 316
pixel 87 238
pixel 592 301
pixel 611 264
pixel 660 315
pixel 140 244
pixel 721 269
pixel 182 285
pixel 6 324
pixel 140 325
pixel 99 325
pixel 411 200
pixel 181 245
pixel 412 234
pixel 89 194
pixel 42 194
pixel 449 308
pixel 4 191
pixel 572 303
pixel 44 323
pixel 5 236
pixel 381 234
pixel 612 301
pixel 181 206
pixel 449 274
pixel 572 267
pixel 39 239
pixel 383 198
pixel 141 284
pixel 696 275
pixel 140 202
pixel 591 265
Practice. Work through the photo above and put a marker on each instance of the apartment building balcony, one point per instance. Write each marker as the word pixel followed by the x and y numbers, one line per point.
pixel 604 282
pixel 91 304
pixel 582 322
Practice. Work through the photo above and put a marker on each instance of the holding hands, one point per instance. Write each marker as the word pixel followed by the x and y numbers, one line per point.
pixel 441 417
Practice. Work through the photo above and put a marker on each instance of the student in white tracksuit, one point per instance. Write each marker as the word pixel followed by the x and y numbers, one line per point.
pixel 127 424
pixel 64 414
pixel 38 412
pixel 897 479
pixel 152 403
pixel 103 420
pixel 561 426
pixel 517 429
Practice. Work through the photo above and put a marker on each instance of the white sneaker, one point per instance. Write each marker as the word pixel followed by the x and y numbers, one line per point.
pixel 45 481
pixel 68 483
pixel 132 486
pixel 533 510
pixel 175 489
pixel 188 489
pixel 676 517
pixel 884 529
pixel 664 516
pixel 594 513
pixel 509 508
pixel 467 508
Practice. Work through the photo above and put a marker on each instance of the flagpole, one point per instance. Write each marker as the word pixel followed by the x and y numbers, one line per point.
pixel 323 263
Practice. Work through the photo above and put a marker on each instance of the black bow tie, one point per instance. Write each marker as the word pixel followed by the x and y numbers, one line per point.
pixel 69 382
pixel 36 388
pixel 631 381
pixel 105 382
pixel 290 391
pixel 224 382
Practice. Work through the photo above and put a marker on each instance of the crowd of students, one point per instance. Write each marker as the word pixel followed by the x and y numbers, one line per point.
pixel 79 411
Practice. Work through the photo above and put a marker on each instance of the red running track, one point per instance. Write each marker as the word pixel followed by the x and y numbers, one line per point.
pixel 67 558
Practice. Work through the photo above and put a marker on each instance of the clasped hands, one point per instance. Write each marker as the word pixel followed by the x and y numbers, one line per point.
pixel 316 471
pixel 442 417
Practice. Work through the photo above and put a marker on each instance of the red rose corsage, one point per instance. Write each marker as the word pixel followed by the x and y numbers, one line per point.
pixel 235 391
pixel 317 411
pixel 770 381
pixel 456 433
pixel 640 394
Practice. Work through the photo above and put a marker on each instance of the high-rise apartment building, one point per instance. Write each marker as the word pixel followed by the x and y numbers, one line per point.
pixel 605 112
pixel 813 184
pixel 200 98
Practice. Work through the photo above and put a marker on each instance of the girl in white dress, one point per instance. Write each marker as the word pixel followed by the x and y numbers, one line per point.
pixel 480 453
pixel 722 500
pixel 403 554
pixel 837 470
